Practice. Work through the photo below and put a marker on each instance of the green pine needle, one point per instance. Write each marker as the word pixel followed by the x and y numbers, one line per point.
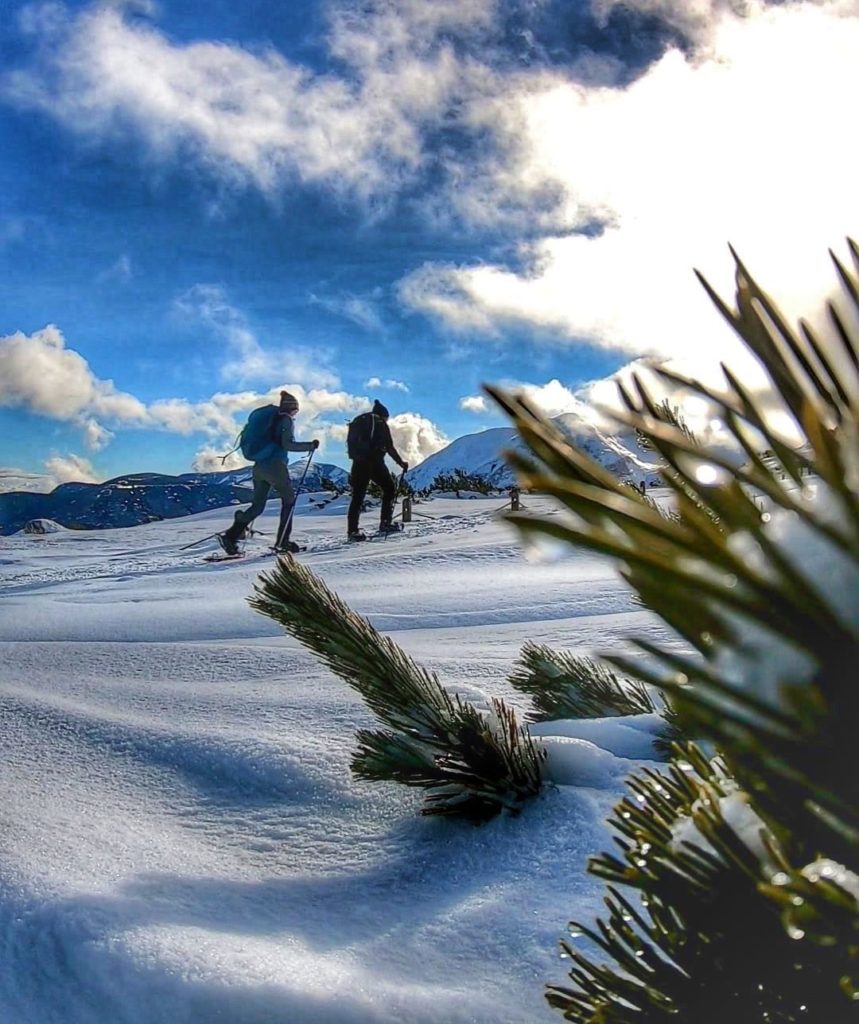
pixel 724 932
pixel 471 764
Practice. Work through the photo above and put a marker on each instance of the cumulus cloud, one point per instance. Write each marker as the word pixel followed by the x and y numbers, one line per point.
pixel 39 373
pixel 71 469
pixel 416 437
pixel 692 154
pixel 617 189
pixel 96 436
pixel 473 403
pixel 553 398
pixel 212 460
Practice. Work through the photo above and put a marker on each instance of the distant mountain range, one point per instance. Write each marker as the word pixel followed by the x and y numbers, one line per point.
pixel 143 498
pixel 481 455
pixel 146 497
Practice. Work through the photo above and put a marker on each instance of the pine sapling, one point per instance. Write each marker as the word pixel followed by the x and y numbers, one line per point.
pixel 471 764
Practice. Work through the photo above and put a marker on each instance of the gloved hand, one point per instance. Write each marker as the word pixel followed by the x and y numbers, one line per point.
pixel 315 443
pixel 404 466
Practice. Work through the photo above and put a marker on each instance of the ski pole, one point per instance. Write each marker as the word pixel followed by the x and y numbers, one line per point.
pixel 288 520
pixel 194 543
pixel 396 495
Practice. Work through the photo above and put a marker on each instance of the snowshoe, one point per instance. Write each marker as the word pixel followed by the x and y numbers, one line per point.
pixel 219 556
pixel 289 548
pixel 357 535
pixel 386 528
pixel 229 546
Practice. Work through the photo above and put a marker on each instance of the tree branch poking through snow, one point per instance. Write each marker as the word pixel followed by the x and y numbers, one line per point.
pixel 470 764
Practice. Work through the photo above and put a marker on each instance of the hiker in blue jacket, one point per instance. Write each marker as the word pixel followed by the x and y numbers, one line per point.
pixel 266 440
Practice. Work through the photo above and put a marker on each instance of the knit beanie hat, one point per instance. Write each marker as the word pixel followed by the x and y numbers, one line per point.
pixel 380 410
pixel 288 403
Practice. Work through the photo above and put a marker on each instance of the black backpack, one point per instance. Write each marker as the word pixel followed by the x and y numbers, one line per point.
pixel 359 439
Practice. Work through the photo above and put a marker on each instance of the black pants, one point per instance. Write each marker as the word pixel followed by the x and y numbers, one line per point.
pixel 363 471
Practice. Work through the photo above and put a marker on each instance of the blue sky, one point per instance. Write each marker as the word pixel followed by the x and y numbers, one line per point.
pixel 202 204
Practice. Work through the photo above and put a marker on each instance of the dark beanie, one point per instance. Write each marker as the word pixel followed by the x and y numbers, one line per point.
pixel 288 402
pixel 380 410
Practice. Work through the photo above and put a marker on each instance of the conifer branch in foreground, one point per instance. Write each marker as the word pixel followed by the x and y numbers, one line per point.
pixel 746 866
pixel 471 764
pixel 563 685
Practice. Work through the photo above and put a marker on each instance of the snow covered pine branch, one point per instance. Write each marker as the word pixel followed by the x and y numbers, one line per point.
pixel 471 764
pixel 746 864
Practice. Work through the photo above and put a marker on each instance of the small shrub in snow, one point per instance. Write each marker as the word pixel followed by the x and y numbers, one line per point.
pixel 471 764
pixel 460 480
pixel 565 686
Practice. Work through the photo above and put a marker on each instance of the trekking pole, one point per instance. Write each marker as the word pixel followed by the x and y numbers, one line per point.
pixel 194 543
pixel 288 519
pixel 396 495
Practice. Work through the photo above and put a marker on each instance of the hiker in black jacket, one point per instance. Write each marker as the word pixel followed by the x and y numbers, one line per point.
pixel 368 442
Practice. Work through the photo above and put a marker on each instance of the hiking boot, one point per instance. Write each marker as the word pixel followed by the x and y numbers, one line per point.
pixel 228 544
pixel 390 527
pixel 357 535
pixel 288 548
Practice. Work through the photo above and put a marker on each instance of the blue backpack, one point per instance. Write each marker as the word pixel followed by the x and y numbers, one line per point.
pixel 260 436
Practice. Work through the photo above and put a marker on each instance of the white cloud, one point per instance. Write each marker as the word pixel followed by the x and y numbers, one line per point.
pixel 95 435
pixel 735 145
pixel 71 469
pixel 473 403
pixel 390 385
pixel 416 437
pixel 248 360
pixel 254 116
pixel 39 373
pixel 211 460
pixel 553 398
pixel 698 20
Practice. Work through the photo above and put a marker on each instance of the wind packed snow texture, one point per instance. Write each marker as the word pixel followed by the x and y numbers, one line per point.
pixel 181 837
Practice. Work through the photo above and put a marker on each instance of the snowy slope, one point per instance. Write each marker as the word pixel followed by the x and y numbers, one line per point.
pixel 477 454
pixel 481 454
pixel 182 839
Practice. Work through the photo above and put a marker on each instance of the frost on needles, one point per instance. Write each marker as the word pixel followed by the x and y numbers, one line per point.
pixel 736 892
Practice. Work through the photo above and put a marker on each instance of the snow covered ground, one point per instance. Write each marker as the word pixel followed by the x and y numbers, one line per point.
pixel 181 839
